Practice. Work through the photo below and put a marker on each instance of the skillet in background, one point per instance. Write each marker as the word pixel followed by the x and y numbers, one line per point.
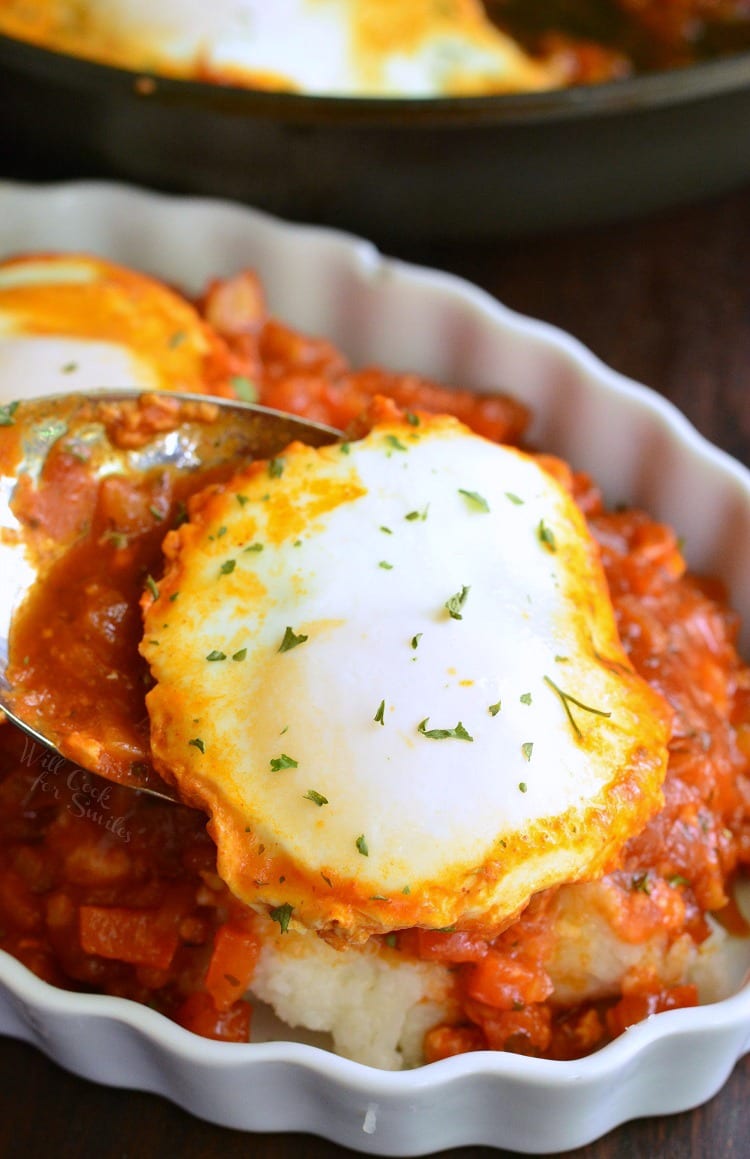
pixel 434 168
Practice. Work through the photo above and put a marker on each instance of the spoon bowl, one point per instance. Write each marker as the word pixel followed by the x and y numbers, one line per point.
pixel 89 486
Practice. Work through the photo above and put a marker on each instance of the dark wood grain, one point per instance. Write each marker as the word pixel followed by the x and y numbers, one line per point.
pixel 666 301
pixel 46 1112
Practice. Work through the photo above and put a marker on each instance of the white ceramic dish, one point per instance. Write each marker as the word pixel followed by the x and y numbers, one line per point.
pixel 639 448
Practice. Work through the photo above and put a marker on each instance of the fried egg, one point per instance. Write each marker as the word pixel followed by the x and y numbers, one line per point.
pixel 72 322
pixel 390 672
pixel 413 48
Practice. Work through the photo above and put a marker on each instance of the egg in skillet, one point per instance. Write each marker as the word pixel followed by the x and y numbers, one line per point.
pixel 413 48
pixel 389 670
pixel 73 322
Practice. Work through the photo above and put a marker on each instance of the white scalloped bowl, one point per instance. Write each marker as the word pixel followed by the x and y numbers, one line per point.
pixel 639 448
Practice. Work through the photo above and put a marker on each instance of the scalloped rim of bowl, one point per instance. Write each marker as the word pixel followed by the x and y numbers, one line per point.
pixel 328 282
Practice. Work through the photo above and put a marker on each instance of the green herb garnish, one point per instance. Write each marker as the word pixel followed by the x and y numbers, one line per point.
pixel 457 733
pixel 282 914
pixel 475 500
pixel 546 536
pixel 456 603
pixel 567 700
pixel 291 640
pixel 283 762
pixel 7 413
pixel 244 388
pixel 315 797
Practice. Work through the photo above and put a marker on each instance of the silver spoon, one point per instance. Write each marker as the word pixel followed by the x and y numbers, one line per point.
pixel 57 455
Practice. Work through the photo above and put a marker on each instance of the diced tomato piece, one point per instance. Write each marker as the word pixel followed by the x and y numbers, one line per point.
pixel 199 1014
pixel 507 983
pixel 526 1031
pixel 576 1033
pixel 283 349
pixel 235 305
pixel 231 966
pixel 18 904
pixel 436 946
pixel 445 1041
pixel 37 958
pixel 635 1007
pixel 142 937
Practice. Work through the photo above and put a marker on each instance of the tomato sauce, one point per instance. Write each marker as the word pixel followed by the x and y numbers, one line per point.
pixel 74 651
pixel 601 40
pixel 104 889
pixel 107 890
pixel 75 671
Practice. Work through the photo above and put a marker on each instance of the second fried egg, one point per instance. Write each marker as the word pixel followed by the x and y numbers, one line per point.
pixel 74 322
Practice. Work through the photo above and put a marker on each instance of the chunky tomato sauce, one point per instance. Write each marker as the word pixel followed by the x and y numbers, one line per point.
pixel 74 666
pixel 600 40
pixel 105 889
pixel 681 637
pixel 74 655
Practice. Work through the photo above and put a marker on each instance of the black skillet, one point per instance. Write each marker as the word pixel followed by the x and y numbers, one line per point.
pixel 443 168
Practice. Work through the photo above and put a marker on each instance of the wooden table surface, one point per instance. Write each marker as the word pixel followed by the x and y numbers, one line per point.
pixel 665 300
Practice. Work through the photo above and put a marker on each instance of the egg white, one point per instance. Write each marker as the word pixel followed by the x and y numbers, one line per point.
pixel 140 333
pixel 443 583
pixel 413 48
